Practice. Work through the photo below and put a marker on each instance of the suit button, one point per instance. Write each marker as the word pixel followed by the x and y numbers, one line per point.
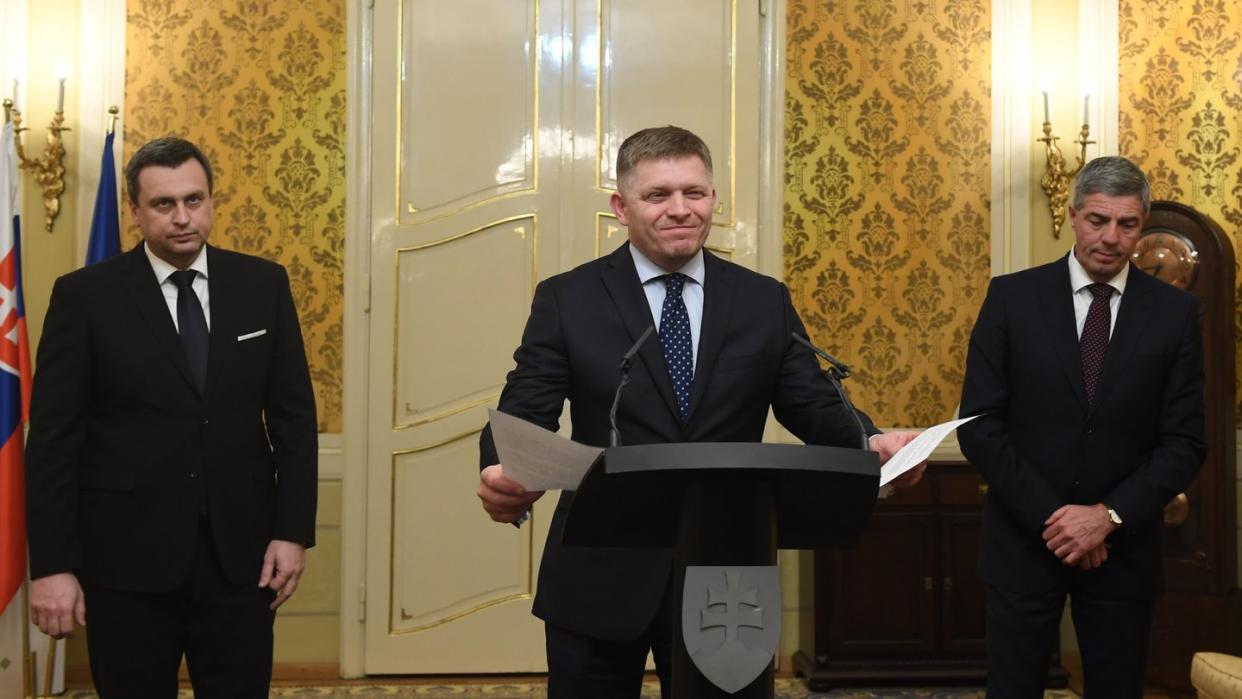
pixel 1090 430
pixel 193 475
pixel 205 421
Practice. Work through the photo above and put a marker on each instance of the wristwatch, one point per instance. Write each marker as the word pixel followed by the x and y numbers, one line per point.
pixel 1113 516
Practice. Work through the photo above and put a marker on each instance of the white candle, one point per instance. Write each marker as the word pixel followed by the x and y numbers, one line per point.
pixel 60 97
pixel 1086 109
pixel 1047 118
pixel 14 93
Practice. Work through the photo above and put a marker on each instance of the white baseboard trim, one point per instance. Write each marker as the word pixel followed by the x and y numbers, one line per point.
pixel 331 456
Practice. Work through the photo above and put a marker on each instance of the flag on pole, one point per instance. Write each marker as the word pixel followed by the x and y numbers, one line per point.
pixel 15 375
pixel 105 240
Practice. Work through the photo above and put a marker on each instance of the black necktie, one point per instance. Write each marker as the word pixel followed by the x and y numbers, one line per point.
pixel 192 325
pixel 675 340
pixel 1094 340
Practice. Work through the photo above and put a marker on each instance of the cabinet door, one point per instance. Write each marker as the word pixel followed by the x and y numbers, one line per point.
pixel 882 596
pixel 963 593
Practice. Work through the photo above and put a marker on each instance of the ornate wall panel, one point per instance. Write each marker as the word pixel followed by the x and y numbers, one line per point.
pixel 447 289
pixel 1181 104
pixel 259 85
pixel 437 173
pixel 887 141
pixel 432 583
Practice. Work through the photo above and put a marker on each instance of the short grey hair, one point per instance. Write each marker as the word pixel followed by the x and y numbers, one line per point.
pixel 1114 176
pixel 658 143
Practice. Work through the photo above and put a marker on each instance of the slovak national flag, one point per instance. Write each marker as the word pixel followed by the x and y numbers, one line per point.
pixel 15 378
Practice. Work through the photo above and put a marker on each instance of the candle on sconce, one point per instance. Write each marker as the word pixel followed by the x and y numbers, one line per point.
pixel 14 93
pixel 1047 118
pixel 1086 109
pixel 61 71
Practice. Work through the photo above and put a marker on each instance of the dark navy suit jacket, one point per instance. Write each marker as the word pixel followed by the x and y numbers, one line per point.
pixel 124 455
pixel 1041 445
pixel 581 322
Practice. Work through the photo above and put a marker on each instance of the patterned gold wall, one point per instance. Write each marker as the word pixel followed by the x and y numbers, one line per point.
pixel 887 138
pixel 259 85
pixel 1181 105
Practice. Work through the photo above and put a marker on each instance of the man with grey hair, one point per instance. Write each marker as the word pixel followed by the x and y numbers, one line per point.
pixel 1089 375
pixel 723 355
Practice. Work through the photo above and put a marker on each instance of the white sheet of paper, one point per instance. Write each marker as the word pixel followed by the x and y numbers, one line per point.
pixel 537 458
pixel 919 448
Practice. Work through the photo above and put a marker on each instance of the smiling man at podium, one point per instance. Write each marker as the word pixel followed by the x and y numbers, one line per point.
pixel 723 354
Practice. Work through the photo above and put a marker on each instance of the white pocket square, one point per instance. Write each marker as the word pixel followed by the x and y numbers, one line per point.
pixel 251 336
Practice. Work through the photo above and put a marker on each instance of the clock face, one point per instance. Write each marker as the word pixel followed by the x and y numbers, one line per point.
pixel 1168 256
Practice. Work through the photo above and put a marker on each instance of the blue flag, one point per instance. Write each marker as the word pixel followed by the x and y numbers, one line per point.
pixel 106 222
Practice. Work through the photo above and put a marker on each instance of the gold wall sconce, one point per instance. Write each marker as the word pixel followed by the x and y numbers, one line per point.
pixel 49 168
pixel 1057 176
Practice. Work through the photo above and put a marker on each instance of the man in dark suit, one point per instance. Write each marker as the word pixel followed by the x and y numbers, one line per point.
pixel 1090 377
pixel 171 462
pixel 724 355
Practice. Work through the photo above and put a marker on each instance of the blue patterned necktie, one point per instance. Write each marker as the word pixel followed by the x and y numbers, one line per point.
pixel 675 340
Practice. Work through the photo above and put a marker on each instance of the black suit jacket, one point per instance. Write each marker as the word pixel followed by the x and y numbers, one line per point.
pixel 1041 446
pixel 581 322
pixel 124 455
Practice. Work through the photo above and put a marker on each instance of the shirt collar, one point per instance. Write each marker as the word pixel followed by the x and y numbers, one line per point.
pixel 163 270
pixel 1079 279
pixel 648 270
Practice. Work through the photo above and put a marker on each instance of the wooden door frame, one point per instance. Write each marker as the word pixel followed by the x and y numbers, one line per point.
pixel 359 23
pixel 358 227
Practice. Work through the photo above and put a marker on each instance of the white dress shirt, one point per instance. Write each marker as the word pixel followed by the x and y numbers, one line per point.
pixel 163 271
pixel 1079 281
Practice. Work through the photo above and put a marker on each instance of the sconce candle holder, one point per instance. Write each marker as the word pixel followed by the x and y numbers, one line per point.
pixel 49 168
pixel 1056 179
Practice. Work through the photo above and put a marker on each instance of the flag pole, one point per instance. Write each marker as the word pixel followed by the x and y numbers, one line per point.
pixel 29 688
pixel 48 674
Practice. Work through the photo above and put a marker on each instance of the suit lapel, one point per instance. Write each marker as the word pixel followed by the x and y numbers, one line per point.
pixel 1132 319
pixel 717 306
pixel 1057 302
pixel 226 302
pixel 148 298
pixel 621 280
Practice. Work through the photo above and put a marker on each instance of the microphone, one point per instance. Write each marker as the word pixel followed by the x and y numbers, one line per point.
pixel 614 435
pixel 835 372
pixel 841 370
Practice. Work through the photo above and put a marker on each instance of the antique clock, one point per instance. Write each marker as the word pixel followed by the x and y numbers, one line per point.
pixel 1200 609
pixel 1168 256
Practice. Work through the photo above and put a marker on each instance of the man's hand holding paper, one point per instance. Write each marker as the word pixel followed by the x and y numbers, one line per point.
pixel 504 499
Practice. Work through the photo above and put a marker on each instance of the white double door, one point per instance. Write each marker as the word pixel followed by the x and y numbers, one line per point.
pixel 494 128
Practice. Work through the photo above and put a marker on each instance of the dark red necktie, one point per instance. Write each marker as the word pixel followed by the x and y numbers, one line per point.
pixel 1094 340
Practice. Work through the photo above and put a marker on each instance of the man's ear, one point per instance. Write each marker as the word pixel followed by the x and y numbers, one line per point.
pixel 617 202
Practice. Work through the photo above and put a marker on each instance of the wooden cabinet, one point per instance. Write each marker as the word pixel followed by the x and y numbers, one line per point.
pixel 906 606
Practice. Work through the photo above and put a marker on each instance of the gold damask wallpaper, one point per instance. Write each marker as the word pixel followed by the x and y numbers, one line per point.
pixel 259 85
pixel 1181 105
pixel 887 143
